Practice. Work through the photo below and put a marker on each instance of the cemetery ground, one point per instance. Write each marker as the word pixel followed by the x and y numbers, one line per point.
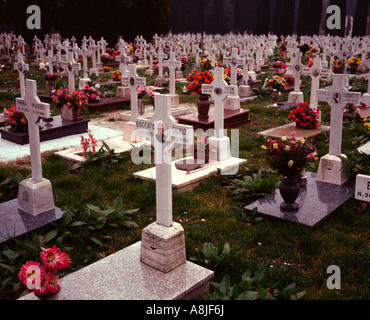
pixel 106 209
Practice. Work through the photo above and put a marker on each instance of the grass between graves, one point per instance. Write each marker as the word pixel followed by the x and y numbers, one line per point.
pixel 285 252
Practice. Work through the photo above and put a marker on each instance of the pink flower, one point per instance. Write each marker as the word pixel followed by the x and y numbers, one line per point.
pixel 29 273
pixel 54 259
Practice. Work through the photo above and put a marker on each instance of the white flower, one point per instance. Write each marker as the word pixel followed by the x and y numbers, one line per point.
pixel 97 86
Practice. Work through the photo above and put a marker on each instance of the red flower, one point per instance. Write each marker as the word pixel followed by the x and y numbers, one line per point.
pixel 54 259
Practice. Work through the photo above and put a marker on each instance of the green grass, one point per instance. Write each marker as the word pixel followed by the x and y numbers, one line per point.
pixel 286 251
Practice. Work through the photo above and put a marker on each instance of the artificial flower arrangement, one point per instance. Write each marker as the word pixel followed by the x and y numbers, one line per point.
pixel 184 57
pixel 227 74
pixel 50 77
pixel 60 96
pixel 196 79
pixel 338 64
pixel 88 144
pixel 106 58
pixel 42 278
pixel 275 82
pixel 367 125
pixel 279 67
pixel 75 100
pixel 289 158
pixel 205 64
pixel 143 91
pixel 354 63
pixel 116 75
pixel 304 116
pixel 310 51
pixel 16 119
pixel 91 94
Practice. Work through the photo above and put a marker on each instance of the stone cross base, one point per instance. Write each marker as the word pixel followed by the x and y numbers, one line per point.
pixel 219 148
pixel 252 75
pixel 83 82
pixel 163 248
pixel 129 133
pixel 123 92
pixel 331 171
pixel 149 72
pixel 295 97
pixel 175 100
pixel 366 99
pixel 244 91
pixel 35 197
pixel 232 103
pixel 159 82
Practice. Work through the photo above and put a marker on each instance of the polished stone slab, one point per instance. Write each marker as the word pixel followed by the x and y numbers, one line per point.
pixel 58 128
pixel 14 222
pixel 316 201
pixel 122 276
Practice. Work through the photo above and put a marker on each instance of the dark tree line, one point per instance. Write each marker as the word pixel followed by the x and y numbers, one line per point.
pixel 108 18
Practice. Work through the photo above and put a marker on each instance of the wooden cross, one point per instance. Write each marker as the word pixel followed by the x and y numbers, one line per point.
pixel 337 96
pixel 71 67
pixel 315 72
pixel 21 67
pixel 133 81
pixel 33 109
pixel 164 132
pixel 172 64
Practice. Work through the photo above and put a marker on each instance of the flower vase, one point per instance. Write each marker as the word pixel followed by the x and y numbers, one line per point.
pixel 69 114
pixel 203 106
pixel 289 191
pixel 50 86
pixel 141 106
pixel 276 97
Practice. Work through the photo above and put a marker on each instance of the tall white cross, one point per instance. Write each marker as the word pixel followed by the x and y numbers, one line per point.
pixel 133 81
pixel 33 109
pixel 71 67
pixel 315 72
pixel 164 132
pixel 84 52
pixel 160 56
pixel 337 96
pixel 297 67
pixel 21 67
pixel 234 61
pixel 123 60
pixel 172 64
pixel 50 59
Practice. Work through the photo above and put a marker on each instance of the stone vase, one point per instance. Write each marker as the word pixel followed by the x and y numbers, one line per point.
pixel 203 106
pixel 289 191
pixel 50 86
pixel 276 94
pixel 68 114
pixel 141 106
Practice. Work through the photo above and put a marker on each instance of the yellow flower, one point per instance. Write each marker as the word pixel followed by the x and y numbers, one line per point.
pixel 315 158
pixel 287 148
pixel 263 147
pixel 275 146
pixel 283 138
pixel 303 141
pixel 290 163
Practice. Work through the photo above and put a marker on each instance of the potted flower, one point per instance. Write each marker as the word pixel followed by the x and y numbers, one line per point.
pixel 289 159
pixel 75 105
pixel 16 120
pixel 279 67
pixel 338 65
pixel 43 278
pixel 195 80
pixel 60 96
pixel 205 64
pixel 304 116
pixel 354 63
pixel 116 75
pixel 277 84
pixel 142 92
pixel 91 94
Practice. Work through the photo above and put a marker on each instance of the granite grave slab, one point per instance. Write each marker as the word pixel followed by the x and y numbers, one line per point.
pixel 316 201
pixel 15 222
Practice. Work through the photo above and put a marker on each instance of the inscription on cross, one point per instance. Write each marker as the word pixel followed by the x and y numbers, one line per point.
pixel 133 81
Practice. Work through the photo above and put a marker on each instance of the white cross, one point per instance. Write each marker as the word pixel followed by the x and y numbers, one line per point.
pixel 234 61
pixel 21 67
pixel 315 72
pixel 123 60
pixel 219 90
pixel 84 52
pixel 367 63
pixel 337 96
pixel 133 81
pixel 172 64
pixel 160 56
pixel 71 67
pixel 164 132
pixel 50 59
pixel 103 44
pixel 33 109
pixel 297 67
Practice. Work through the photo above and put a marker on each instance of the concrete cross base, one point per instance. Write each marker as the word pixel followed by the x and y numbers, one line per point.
pixel 123 92
pixel 35 198
pixel 83 82
pixel 244 91
pixel 252 75
pixel 232 103
pixel 331 170
pixel 129 133
pixel 175 100
pixel 219 148
pixel 163 248
pixel 295 97
pixel 159 82
pixel 366 99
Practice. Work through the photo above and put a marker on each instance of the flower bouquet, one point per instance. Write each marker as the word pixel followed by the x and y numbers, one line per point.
pixel 304 116
pixel 354 63
pixel 116 75
pixel 289 158
pixel 205 64
pixel 50 77
pixel 196 79
pixel 77 101
pixel 338 65
pixel 106 58
pixel 275 82
pixel 143 91
pixel 16 119
pixel 367 125
pixel 91 94
pixel 60 97
pixel 42 278
pixel 279 67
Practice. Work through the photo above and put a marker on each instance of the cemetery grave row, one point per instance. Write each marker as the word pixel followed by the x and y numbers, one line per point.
pixel 162 251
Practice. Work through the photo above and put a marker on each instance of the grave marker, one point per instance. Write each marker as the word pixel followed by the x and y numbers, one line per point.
pixel 21 67
pixel 296 65
pixel 337 96
pixel 35 195
pixel 172 64
pixel 71 67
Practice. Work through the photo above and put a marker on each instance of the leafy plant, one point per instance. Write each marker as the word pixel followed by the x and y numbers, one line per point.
pixel 249 288
pixel 9 185
pixel 209 254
